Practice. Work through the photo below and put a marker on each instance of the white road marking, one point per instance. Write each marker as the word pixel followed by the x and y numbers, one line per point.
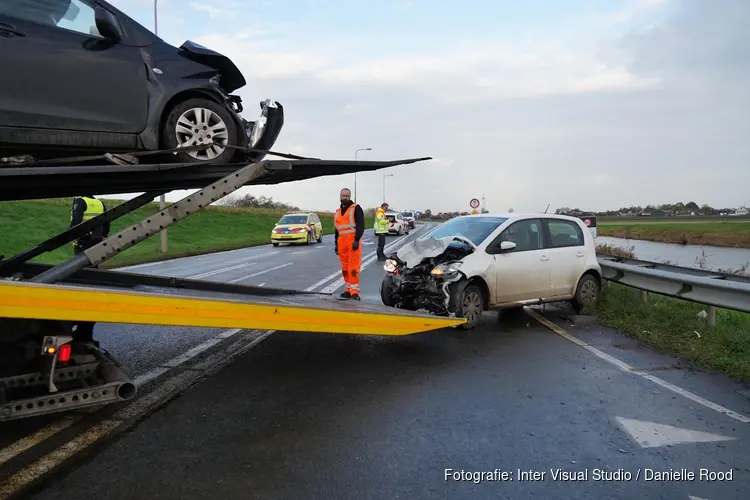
pixel 629 369
pixel 653 435
pixel 222 270
pixel 263 284
pixel 691 497
pixel 237 280
pixel 32 440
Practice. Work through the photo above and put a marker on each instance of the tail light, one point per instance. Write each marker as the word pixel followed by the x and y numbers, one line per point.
pixel 63 353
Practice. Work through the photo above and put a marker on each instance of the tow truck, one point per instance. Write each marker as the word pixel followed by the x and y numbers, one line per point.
pixel 49 360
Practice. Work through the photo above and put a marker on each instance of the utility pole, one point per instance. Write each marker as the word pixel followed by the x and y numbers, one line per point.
pixel 355 173
pixel 162 198
pixel 484 204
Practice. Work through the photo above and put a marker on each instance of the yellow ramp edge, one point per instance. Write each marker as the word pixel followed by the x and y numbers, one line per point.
pixel 64 303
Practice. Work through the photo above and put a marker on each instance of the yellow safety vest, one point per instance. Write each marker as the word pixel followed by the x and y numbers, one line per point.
pixel 94 207
pixel 381 222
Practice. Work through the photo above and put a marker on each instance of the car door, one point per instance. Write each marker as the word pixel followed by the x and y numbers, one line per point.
pixel 61 73
pixel 318 226
pixel 523 273
pixel 566 249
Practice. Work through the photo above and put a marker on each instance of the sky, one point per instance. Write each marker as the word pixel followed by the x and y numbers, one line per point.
pixel 582 103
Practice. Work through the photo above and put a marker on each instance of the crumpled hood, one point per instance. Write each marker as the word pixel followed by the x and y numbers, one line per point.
pixel 414 252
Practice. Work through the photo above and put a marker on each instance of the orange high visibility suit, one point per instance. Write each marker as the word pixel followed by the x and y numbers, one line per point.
pixel 351 260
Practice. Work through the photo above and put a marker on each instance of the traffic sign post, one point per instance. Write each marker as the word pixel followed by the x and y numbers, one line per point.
pixel 590 221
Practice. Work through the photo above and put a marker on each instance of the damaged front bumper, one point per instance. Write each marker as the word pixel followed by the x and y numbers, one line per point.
pixel 421 275
pixel 263 133
pixel 420 293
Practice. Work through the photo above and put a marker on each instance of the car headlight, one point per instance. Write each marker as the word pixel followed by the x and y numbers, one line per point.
pixel 390 266
pixel 447 269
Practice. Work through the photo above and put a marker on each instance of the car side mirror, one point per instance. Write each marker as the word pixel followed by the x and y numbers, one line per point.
pixel 107 24
pixel 507 245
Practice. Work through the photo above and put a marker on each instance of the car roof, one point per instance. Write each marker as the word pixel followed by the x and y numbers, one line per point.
pixel 297 213
pixel 524 215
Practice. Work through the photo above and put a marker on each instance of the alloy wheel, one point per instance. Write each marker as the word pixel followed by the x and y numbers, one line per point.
pixel 198 126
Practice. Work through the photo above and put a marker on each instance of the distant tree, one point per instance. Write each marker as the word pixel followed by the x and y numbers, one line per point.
pixel 510 210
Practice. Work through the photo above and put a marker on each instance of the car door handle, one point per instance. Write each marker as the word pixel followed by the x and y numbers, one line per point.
pixel 543 258
pixel 9 30
pixel 579 254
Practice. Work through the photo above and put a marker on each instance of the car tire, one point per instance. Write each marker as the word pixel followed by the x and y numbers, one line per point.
pixel 309 238
pixel 320 237
pixel 470 305
pixel 386 294
pixel 193 111
pixel 587 293
pixel 275 244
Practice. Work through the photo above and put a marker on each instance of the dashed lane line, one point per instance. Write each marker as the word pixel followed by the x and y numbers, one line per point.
pixel 629 369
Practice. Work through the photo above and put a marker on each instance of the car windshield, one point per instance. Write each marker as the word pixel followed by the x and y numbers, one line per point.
pixel 293 219
pixel 474 229
pixel 407 214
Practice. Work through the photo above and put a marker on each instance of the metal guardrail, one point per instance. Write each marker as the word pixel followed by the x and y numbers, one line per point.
pixel 728 291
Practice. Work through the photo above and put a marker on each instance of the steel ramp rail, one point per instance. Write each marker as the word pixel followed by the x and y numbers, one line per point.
pixel 24 300
pixel 32 182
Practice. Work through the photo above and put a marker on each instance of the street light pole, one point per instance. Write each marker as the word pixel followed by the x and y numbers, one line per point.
pixel 384 176
pixel 355 173
pixel 162 198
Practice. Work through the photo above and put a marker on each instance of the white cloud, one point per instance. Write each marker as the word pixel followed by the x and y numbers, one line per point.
pixel 655 116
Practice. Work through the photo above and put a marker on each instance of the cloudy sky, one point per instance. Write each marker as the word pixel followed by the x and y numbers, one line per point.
pixel 594 104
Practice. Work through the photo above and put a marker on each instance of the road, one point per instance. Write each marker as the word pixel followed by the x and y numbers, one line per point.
pixel 291 415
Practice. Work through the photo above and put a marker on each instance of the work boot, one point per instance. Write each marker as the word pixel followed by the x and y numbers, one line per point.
pixel 346 295
pixel 356 297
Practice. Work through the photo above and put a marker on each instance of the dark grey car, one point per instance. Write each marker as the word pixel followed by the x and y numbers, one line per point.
pixel 80 76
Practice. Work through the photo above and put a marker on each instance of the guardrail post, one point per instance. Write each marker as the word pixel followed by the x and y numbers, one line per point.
pixel 644 296
pixel 711 316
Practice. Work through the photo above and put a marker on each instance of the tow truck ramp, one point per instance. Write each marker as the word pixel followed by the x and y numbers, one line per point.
pixel 49 361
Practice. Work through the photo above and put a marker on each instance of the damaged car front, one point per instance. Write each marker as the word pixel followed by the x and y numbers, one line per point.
pixel 445 274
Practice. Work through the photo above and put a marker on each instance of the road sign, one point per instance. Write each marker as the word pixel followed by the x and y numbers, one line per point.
pixel 474 212
pixel 590 221
pixel 474 203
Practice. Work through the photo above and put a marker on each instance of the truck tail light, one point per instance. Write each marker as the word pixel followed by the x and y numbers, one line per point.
pixel 63 353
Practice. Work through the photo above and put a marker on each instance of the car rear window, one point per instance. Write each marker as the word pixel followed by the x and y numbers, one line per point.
pixel 293 219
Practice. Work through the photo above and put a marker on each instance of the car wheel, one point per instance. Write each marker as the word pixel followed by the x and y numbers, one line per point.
pixel 587 293
pixel 320 236
pixel 309 238
pixel 275 244
pixel 386 291
pixel 470 306
pixel 201 121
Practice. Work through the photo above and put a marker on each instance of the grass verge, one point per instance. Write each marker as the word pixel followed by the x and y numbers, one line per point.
pixel 24 224
pixel 725 233
pixel 675 327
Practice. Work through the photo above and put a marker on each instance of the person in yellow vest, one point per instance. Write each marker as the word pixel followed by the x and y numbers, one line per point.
pixel 85 208
pixel 381 229
pixel 349 221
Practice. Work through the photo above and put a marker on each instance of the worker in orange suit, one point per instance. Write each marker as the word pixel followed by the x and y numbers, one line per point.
pixel 350 226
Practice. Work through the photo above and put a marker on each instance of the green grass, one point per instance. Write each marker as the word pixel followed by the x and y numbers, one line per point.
pixel 24 224
pixel 724 233
pixel 670 324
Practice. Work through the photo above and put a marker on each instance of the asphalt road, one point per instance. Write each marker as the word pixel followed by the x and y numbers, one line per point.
pixel 333 416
